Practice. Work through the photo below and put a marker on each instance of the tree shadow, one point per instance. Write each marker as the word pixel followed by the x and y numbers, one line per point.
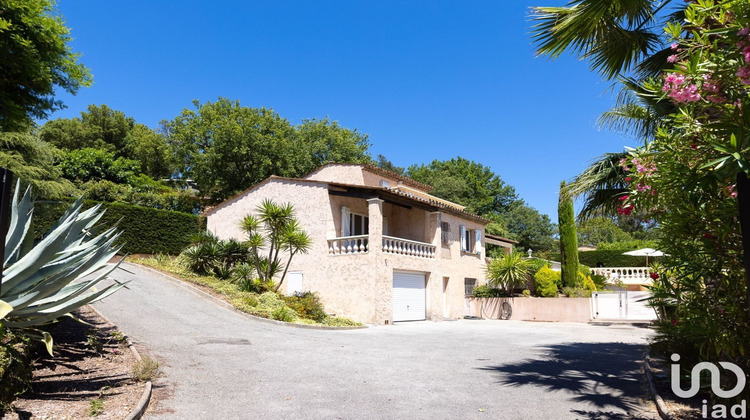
pixel 607 378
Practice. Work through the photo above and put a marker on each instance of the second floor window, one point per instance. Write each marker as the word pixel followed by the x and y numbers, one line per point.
pixel 353 224
pixel 445 233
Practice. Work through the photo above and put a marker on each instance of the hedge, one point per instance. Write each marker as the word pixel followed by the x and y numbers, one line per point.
pixel 609 258
pixel 144 230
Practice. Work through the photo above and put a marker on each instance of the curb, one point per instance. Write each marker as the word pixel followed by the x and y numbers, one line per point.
pixel 253 317
pixel 142 405
pixel 661 407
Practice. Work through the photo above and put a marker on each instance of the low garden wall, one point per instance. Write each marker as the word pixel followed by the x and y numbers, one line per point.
pixel 534 309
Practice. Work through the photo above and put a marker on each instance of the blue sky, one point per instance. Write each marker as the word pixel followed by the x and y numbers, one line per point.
pixel 426 80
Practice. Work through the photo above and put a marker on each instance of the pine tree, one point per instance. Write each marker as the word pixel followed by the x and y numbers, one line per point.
pixel 568 238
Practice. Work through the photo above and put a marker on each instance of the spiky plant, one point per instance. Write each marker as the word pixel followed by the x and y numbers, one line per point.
pixel 58 274
pixel 509 271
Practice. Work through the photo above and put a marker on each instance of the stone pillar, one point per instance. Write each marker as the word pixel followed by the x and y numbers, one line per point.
pixel 381 269
pixel 375 213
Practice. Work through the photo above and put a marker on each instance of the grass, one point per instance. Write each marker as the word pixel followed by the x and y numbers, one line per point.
pixel 263 306
pixel 96 406
pixel 145 369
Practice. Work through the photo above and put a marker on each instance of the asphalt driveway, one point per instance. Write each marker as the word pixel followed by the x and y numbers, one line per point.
pixel 219 363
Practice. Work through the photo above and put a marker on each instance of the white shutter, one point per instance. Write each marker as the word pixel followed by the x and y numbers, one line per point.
pixel 409 296
pixel 464 243
pixel 478 241
pixel 346 221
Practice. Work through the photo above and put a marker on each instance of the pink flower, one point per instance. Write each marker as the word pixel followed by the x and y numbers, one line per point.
pixel 623 197
pixel 742 32
pixel 732 189
pixel 653 275
pixel 744 74
pixel 672 58
pixel 674 46
pixel 643 187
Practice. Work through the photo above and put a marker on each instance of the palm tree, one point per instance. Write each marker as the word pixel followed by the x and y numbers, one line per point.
pixel 509 271
pixel 616 36
pixel 600 185
pixel 276 229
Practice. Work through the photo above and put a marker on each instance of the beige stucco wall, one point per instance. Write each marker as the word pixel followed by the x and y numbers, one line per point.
pixel 343 174
pixel 360 286
pixel 536 309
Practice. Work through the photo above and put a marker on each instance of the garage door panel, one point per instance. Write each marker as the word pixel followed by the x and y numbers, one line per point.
pixel 409 296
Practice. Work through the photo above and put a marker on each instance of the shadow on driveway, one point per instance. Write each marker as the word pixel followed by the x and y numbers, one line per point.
pixel 607 377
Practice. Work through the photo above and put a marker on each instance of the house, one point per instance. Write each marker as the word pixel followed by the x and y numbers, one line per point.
pixel 383 249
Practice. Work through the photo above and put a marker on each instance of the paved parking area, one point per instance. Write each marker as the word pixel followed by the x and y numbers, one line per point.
pixel 221 364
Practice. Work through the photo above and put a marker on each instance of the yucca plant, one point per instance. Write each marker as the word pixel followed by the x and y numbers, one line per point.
pixel 58 274
pixel 508 272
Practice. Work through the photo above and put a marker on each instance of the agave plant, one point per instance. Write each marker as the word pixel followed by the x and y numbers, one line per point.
pixel 58 274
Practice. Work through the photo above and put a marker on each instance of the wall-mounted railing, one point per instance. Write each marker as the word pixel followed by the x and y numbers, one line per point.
pixel 348 245
pixel 393 245
pixel 628 275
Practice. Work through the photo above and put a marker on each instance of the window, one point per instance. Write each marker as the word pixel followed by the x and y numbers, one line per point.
pixel 445 233
pixel 353 224
pixel 360 224
pixel 465 239
pixel 385 184
pixel 469 285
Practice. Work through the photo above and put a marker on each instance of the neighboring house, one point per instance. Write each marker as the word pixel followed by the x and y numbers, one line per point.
pixel 383 249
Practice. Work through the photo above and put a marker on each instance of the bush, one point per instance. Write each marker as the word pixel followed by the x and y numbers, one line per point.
pixel 576 292
pixel 284 314
pixel 333 321
pixel 144 230
pixel 485 291
pixel 15 367
pixel 271 300
pixel 307 305
pixel 527 293
pixel 546 281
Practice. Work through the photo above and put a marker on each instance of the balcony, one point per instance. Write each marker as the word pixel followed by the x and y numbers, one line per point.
pixel 352 245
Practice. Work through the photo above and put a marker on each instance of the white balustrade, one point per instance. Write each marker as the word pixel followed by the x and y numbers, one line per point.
pixel 628 275
pixel 393 245
pixel 348 245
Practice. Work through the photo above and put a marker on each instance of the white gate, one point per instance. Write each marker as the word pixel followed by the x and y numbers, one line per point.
pixel 621 305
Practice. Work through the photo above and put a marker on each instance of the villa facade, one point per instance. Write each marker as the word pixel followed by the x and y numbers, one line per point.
pixel 383 249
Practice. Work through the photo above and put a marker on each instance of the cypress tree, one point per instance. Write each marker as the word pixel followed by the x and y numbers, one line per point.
pixel 568 238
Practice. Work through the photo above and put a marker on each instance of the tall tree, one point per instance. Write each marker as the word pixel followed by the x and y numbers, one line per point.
pixel 226 147
pixel 35 60
pixel 568 237
pixel 326 141
pixel 33 161
pixel 467 183
pixel 382 162
pixel 530 228
pixel 104 128
pixel 601 230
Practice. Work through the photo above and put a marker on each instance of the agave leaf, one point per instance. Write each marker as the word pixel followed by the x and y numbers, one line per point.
pixel 42 336
pixel 55 300
pixel 54 313
pixel 5 309
pixel 20 223
pixel 74 208
pixel 35 259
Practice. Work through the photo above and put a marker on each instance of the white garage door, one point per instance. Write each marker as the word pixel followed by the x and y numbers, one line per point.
pixel 408 297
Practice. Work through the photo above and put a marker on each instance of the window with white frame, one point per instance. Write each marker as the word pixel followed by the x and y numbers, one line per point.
pixel 354 224
pixel 471 240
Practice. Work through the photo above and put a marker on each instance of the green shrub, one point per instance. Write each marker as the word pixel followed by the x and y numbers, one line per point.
pixel 546 281
pixel 144 230
pixel 15 367
pixel 271 300
pixel 333 321
pixel 307 305
pixel 609 258
pixel 145 369
pixel 485 291
pixel 527 293
pixel 284 313
pixel 575 292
